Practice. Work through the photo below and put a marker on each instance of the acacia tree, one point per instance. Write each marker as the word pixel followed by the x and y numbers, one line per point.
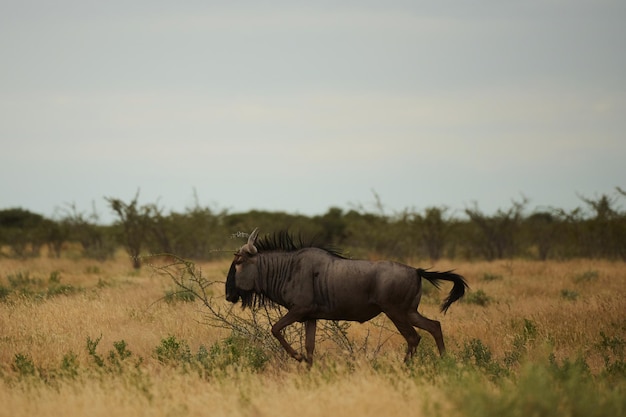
pixel 136 222
pixel 433 230
pixel 605 230
pixel 541 228
pixel 95 240
pixel 23 231
pixel 496 234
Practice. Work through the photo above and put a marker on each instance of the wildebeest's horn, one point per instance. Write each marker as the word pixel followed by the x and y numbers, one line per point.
pixel 251 239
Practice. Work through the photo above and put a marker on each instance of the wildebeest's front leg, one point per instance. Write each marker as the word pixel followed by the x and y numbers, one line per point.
pixel 291 317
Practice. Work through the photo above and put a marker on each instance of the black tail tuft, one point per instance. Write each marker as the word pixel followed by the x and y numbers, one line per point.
pixel 458 289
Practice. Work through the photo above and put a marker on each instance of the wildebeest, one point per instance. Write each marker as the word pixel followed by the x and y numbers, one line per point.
pixel 315 283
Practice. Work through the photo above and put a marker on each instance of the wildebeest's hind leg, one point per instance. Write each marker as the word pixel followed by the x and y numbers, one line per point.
pixel 310 328
pixel 406 329
pixel 431 326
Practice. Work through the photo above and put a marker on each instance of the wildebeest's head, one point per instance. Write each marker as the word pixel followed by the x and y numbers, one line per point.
pixel 243 273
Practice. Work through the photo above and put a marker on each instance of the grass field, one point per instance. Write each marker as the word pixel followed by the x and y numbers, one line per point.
pixel 80 337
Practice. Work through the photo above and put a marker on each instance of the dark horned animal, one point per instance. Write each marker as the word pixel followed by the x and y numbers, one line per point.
pixel 314 283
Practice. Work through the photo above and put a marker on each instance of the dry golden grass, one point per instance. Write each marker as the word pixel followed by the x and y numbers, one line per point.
pixel 568 304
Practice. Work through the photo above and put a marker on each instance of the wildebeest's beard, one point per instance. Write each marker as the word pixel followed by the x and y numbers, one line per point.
pixel 248 298
pixel 232 293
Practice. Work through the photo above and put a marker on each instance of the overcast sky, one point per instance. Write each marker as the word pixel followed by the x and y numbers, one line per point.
pixel 300 106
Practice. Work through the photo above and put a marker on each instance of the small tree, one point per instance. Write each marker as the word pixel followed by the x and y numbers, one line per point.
pixel 542 228
pixel 333 226
pixel 433 228
pixel 496 234
pixel 605 231
pixel 58 232
pixel 94 239
pixel 23 231
pixel 135 222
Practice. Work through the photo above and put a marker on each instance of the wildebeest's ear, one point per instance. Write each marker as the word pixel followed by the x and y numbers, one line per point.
pixel 250 248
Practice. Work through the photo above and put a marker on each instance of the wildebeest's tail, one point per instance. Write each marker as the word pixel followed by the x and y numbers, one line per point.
pixel 458 289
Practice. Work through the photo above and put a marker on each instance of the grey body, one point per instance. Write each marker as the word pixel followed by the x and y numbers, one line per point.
pixel 333 288
pixel 313 283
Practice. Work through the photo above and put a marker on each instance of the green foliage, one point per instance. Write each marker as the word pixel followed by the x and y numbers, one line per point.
pixel 97 241
pixel 23 364
pixel 587 276
pixel 185 296
pixel 569 295
pixel 520 343
pixel 173 351
pixel 91 350
pixel 433 227
pixel 116 361
pixel 4 293
pixel 24 285
pixel 474 382
pixel 93 269
pixel 478 297
pixel 612 349
pixel 496 237
pixel 234 351
pixel 541 389
pixel 134 221
pixel 596 230
pixel 23 231
pixel 69 365
pixel 476 353
pixel 488 277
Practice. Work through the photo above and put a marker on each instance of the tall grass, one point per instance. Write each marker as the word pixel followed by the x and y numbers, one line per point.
pixel 122 344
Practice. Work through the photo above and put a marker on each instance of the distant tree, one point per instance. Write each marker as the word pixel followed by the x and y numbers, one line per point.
pixel 495 235
pixel 542 230
pixel 23 231
pixel 194 234
pixel 57 233
pixel 332 225
pixel 605 230
pixel 95 240
pixel 433 227
pixel 135 222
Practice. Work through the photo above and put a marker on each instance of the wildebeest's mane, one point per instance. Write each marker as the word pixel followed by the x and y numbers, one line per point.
pixel 283 241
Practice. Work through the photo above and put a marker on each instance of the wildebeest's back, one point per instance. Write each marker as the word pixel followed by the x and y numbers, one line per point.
pixel 355 290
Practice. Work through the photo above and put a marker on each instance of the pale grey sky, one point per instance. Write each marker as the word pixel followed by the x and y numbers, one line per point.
pixel 300 106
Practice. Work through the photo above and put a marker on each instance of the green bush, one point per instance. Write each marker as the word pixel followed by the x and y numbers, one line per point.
pixel 23 364
pixel 612 349
pixel 173 351
pixel 25 285
pixel 491 277
pixel 542 390
pixel 69 365
pixel 476 353
pixel 586 276
pixel 181 295
pixel 238 350
pixel 478 297
pixel 570 295
pixel 234 351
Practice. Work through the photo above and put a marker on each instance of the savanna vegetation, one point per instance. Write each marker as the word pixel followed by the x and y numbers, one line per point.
pixel 596 229
pixel 85 331
pixel 82 337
